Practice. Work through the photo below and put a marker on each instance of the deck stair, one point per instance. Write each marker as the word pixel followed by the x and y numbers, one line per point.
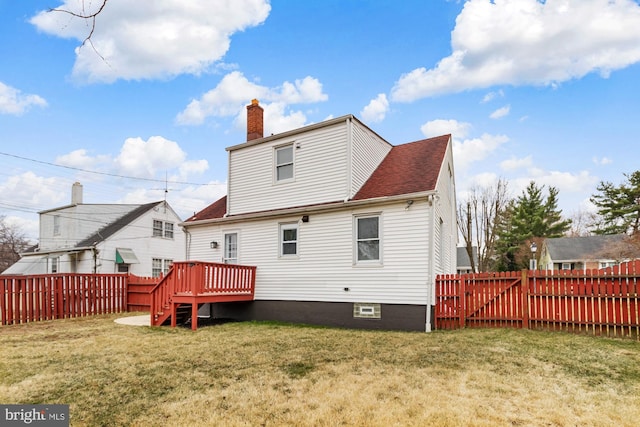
pixel 189 284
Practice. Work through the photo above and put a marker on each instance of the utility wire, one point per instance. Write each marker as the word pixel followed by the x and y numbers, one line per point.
pixel 164 181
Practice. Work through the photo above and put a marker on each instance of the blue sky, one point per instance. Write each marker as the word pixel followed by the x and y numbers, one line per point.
pixel 531 90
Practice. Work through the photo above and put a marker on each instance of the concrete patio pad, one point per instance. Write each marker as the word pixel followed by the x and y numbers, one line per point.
pixel 144 320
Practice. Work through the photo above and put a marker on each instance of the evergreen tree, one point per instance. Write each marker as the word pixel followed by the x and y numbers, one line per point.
pixel 530 218
pixel 618 206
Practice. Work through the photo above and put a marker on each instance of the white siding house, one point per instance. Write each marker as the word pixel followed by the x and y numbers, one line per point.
pixel 344 228
pixel 105 238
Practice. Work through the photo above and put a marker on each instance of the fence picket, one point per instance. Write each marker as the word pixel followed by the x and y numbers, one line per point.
pixel 57 296
pixel 600 302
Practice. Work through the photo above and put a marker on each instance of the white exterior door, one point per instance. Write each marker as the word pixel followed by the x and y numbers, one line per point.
pixel 230 248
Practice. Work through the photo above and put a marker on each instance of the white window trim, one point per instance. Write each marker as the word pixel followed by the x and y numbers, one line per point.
pixel 288 226
pixel 374 262
pixel 276 165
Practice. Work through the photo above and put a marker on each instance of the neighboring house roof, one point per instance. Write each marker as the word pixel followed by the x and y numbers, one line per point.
pixel 463 260
pixel 217 209
pixel 117 225
pixel 407 168
pixel 580 248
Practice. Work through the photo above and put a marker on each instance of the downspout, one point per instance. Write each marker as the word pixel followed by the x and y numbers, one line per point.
pixel 349 159
pixel 432 254
pixel 187 243
pixel 95 259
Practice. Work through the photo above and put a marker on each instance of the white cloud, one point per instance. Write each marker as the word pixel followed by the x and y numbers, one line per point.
pixel 82 160
pixel 142 158
pixel 602 161
pixel 473 150
pixel 526 42
pixel 515 164
pixel 13 101
pixel 230 97
pixel 376 110
pixel 147 40
pixel 500 112
pixel 458 130
pixel 493 95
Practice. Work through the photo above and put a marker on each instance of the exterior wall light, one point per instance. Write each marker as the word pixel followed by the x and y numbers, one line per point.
pixel 214 245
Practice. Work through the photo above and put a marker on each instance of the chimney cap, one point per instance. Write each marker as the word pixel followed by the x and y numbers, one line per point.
pixel 254 101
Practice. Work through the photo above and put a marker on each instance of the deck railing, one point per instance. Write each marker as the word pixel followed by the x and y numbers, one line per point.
pixel 200 279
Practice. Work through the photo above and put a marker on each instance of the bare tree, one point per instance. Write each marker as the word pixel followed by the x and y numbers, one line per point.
pixel 12 243
pixel 89 17
pixel 478 218
pixel 581 223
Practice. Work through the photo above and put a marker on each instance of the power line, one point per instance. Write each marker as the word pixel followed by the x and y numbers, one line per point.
pixel 164 181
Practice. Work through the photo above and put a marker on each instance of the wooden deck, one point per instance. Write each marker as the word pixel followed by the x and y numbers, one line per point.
pixel 195 283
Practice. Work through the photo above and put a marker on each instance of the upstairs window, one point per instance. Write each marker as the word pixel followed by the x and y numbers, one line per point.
pixel 168 230
pixel 56 225
pixel 162 229
pixel 284 163
pixel 157 228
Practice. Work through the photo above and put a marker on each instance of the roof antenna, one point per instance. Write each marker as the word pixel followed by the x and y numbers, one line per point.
pixel 166 189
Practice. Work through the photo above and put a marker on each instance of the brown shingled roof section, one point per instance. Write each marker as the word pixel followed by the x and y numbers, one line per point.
pixel 215 210
pixel 407 168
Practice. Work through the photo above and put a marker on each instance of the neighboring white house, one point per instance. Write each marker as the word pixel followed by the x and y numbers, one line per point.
pixel 344 228
pixel 141 239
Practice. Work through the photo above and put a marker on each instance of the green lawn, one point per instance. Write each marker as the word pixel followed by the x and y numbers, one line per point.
pixel 260 374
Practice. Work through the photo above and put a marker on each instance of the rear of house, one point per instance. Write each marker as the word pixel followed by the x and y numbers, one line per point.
pixel 345 229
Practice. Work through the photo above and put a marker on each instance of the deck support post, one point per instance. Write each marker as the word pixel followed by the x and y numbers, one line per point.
pixel 194 315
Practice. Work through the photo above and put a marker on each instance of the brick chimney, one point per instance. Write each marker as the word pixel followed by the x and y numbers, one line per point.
pixel 76 193
pixel 255 127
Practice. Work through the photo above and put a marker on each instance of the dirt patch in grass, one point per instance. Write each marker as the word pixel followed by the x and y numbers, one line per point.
pixel 248 374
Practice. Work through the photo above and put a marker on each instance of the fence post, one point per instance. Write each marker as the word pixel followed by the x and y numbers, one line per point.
pixel 462 302
pixel 524 284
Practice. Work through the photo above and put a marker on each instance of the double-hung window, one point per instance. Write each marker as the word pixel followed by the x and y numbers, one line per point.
pixel 367 231
pixel 160 266
pixel 288 239
pixel 56 225
pixel 162 229
pixel 284 163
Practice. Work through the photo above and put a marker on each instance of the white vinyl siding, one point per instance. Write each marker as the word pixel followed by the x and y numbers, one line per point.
pixel 368 150
pixel 320 163
pixel 324 265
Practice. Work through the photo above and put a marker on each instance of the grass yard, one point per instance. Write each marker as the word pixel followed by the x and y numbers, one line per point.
pixel 260 374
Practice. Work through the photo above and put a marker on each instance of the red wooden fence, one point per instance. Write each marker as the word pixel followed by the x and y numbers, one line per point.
pixel 57 296
pixel 601 302
pixel 139 292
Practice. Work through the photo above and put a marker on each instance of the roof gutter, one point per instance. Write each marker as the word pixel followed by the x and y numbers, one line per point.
pixel 58 251
pixel 325 207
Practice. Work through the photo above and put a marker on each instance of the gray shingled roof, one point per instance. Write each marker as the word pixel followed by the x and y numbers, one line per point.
pixel 463 257
pixel 580 248
pixel 117 225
